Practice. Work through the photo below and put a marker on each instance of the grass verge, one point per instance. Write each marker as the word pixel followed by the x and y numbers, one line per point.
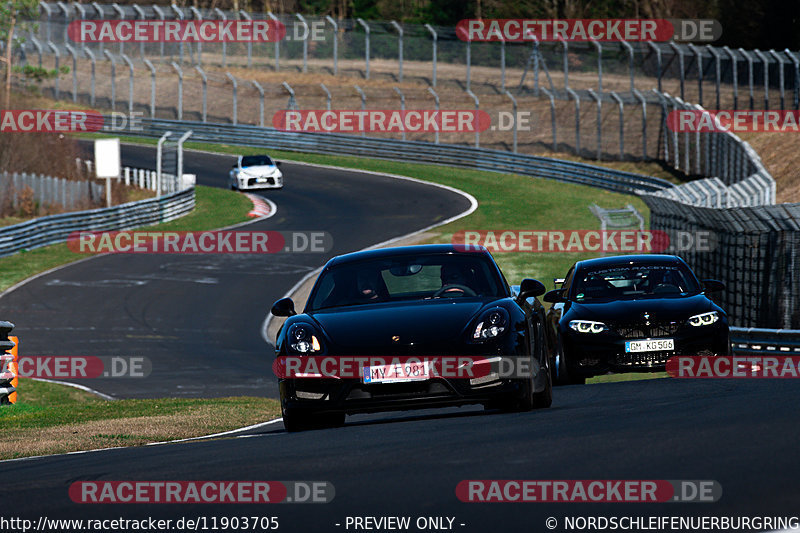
pixel 214 208
pixel 52 418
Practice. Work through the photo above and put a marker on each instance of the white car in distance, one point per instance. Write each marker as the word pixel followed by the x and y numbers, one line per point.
pixel 255 172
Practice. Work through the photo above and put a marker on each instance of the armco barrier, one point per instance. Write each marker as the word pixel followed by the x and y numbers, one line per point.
pixel 759 341
pixel 410 152
pixel 8 367
pixel 56 228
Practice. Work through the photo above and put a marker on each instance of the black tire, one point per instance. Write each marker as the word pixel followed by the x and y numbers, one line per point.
pixel 565 377
pixel 544 399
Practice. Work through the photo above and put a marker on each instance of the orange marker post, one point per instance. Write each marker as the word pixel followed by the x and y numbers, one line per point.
pixel 13 366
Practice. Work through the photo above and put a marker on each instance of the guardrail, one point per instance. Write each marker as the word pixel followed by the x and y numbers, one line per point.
pixel 410 151
pixel 8 367
pixel 56 228
pixel 758 341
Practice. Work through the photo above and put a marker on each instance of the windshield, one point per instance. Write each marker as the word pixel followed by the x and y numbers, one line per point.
pixel 634 281
pixel 417 278
pixel 256 161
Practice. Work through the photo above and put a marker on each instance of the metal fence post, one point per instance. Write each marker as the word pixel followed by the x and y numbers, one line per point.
pixel 113 79
pixel 327 96
pixel 434 43
pixel 121 15
pixel 469 64
pixel 82 10
pixel 599 48
pixel 93 78
pixel 436 101
pixel 54 48
pixel 260 90
pixel 179 177
pixel 749 75
pixel 224 18
pixel 779 60
pixel 621 105
pixel 796 64
pixel 735 74
pixel 199 45
pixel 159 154
pixel 477 108
pixel 574 95
pixel 180 89
pixel 402 108
pixel 38 47
pixel 718 71
pixel 205 91
pixel 335 44
pixel 399 29
pixel 162 17
pixel 363 104
pixel 657 50
pixel 698 54
pixel 552 117
pixel 305 40
pixel 697 143
pixel 765 60
pixel 503 64
pixel 49 13
pixel 179 14
pixel 292 100
pixel 641 99
pixel 599 102
pixel 663 102
pixel 152 87
pixel 679 52
pixel 277 44
pixel 235 97
pixel 366 45
pixel 100 13
pixel 140 12
pixel 565 47
pixel 130 84
pixel 629 48
pixel 74 72
pixel 64 9
pixel 514 111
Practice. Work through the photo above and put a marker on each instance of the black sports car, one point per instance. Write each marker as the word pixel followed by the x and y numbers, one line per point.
pixel 413 302
pixel 630 314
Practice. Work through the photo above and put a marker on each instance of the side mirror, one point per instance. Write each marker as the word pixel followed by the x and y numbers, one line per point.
pixel 554 296
pixel 712 285
pixel 530 288
pixel 284 307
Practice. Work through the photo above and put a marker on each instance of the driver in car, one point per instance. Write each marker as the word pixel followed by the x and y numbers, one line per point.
pixel 454 279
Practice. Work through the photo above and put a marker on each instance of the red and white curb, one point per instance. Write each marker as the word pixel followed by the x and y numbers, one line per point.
pixel 262 208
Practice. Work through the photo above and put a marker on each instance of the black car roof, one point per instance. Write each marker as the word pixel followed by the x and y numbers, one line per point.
pixel 619 260
pixel 399 251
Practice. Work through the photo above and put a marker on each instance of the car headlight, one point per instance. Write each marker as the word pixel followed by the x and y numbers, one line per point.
pixel 491 324
pixel 587 326
pixel 703 319
pixel 302 339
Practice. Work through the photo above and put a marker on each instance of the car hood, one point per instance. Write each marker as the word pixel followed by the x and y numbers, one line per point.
pixel 632 311
pixel 260 170
pixel 432 322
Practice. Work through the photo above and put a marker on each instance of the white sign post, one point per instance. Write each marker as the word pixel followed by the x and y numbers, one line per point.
pixel 107 162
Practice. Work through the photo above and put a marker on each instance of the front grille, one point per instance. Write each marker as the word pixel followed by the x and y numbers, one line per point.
pixel 643 331
pixel 643 359
pixel 253 181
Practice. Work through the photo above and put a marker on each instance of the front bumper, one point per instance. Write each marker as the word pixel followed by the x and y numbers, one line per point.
pixel 352 396
pixel 592 354
pixel 271 182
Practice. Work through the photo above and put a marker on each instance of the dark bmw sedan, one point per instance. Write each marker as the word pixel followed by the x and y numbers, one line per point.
pixel 411 304
pixel 630 314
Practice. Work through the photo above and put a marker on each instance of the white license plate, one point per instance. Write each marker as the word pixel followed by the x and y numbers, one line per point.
pixel 398 373
pixel 261 180
pixel 658 345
